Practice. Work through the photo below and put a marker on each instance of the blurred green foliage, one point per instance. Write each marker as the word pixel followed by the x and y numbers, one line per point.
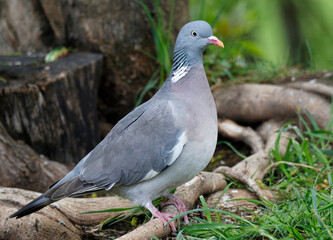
pixel 162 37
pixel 267 36
pixel 264 39
pixel 163 46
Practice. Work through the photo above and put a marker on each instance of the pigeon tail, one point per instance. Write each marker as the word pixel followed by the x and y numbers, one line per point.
pixel 33 206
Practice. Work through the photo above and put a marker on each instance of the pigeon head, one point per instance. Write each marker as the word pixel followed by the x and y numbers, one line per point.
pixel 196 36
pixel 191 42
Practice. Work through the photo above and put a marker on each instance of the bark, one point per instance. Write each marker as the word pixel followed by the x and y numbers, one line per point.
pixel 22 167
pixel 52 107
pixel 253 103
pixel 22 26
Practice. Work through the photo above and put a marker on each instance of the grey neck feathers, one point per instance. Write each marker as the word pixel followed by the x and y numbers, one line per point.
pixel 182 63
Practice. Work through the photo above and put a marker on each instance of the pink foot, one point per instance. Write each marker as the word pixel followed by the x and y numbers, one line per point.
pixel 164 217
pixel 179 205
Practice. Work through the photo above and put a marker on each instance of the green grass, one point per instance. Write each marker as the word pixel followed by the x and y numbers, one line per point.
pixel 305 207
pixel 162 35
pixel 163 42
pixel 305 216
pixel 131 217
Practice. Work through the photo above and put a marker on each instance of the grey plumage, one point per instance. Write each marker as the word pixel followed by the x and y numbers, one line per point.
pixel 160 144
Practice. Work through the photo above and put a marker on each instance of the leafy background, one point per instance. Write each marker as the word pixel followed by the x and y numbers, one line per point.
pixel 263 39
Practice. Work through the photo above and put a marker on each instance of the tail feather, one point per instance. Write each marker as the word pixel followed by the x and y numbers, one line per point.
pixel 33 206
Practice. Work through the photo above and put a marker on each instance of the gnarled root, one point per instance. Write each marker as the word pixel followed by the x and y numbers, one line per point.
pixel 252 103
pixel 254 167
pixel 189 192
pixel 62 220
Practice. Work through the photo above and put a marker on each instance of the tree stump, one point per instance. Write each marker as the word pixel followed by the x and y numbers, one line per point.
pixel 118 29
pixel 52 107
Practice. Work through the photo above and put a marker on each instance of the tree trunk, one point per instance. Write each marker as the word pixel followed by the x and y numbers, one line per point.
pixel 22 167
pixel 52 107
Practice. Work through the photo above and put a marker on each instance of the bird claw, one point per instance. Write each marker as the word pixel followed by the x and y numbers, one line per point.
pixel 163 204
pixel 165 218
pixel 178 204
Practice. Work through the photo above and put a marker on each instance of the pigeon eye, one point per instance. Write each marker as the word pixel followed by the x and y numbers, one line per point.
pixel 194 33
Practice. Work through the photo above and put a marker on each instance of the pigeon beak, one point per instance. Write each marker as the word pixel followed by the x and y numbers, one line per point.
pixel 214 40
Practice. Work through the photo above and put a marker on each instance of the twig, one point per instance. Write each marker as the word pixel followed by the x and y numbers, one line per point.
pixel 291 164
pixel 243 178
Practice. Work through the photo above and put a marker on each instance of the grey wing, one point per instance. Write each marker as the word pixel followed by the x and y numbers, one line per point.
pixel 140 146
pixel 146 140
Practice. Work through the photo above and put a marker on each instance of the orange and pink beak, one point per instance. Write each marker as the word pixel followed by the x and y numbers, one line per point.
pixel 214 40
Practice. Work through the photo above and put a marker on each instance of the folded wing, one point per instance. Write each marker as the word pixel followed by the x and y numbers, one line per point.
pixel 139 147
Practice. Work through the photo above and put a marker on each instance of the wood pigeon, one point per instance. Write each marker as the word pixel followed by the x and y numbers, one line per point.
pixel 160 145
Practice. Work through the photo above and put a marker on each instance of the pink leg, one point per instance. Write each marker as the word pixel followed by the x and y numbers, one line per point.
pixel 179 205
pixel 164 217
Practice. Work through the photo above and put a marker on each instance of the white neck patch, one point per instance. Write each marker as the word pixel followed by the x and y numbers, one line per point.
pixel 180 73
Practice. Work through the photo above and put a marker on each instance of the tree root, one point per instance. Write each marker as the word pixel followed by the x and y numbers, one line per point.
pixel 318 88
pixel 62 220
pixel 189 192
pixel 232 130
pixel 229 200
pixel 254 167
pixel 242 178
pixel 253 103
